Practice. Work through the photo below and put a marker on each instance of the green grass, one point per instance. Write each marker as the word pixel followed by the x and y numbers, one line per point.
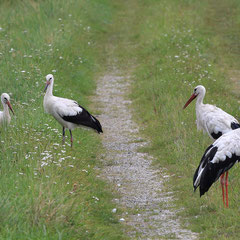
pixel 169 47
pixel 50 191
pixel 179 48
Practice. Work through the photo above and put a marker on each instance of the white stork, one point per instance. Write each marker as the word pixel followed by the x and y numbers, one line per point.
pixel 5 115
pixel 212 120
pixel 218 159
pixel 67 112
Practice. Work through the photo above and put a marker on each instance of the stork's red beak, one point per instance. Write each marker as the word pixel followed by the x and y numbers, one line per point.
pixel 47 84
pixel 189 100
pixel 9 105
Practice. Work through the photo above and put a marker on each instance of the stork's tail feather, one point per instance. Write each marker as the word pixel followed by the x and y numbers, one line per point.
pixel 96 124
pixel 201 193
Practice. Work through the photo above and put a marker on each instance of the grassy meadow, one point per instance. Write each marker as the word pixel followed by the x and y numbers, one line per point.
pixel 49 191
pixel 175 46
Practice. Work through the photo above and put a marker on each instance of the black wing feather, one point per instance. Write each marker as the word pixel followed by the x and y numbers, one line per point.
pixel 216 135
pixel 235 125
pixel 213 171
pixel 84 118
pixel 203 165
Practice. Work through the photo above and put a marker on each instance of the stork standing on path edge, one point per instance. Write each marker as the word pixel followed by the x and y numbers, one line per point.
pixel 214 121
pixel 67 112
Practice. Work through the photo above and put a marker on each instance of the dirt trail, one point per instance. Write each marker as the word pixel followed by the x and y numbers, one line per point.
pixel 148 206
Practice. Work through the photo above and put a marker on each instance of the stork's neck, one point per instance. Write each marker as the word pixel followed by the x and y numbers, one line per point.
pixel 49 91
pixel 200 98
pixel 6 110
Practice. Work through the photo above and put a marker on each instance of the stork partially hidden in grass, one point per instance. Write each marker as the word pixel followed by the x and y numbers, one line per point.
pixel 214 121
pixel 67 112
pixel 5 115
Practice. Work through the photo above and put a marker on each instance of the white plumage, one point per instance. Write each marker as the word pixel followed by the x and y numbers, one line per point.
pixel 210 118
pixel 67 112
pixel 59 107
pixel 5 115
pixel 216 123
pixel 218 159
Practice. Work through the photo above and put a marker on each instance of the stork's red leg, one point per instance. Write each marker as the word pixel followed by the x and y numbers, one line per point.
pixel 222 183
pixel 226 183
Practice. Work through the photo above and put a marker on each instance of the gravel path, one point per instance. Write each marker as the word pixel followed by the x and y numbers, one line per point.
pixel 147 206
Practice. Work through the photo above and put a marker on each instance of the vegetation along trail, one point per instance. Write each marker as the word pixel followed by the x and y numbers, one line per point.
pixel 147 205
pixel 162 50
pixel 49 191
pixel 146 57
pixel 144 205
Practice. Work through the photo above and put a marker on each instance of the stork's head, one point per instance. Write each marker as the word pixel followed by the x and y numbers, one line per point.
pixel 50 80
pixel 198 91
pixel 6 101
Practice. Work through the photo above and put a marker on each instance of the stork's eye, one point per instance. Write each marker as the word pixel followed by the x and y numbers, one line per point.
pixel 5 99
pixel 195 90
pixel 50 78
